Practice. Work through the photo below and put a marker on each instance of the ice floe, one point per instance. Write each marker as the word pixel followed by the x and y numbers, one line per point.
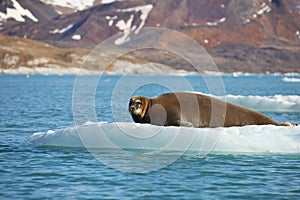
pixel 288 79
pixel 133 136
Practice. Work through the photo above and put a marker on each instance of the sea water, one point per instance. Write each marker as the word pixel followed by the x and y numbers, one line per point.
pixel 36 110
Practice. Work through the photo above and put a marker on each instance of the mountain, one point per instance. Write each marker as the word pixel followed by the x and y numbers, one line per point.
pixel 210 22
pixel 13 12
pixel 16 52
pixel 252 35
pixel 25 56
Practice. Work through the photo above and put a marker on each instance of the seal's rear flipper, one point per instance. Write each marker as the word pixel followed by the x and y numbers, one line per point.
pixel 288 124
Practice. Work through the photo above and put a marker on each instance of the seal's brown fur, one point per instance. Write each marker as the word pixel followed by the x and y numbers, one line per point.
pixel 191 109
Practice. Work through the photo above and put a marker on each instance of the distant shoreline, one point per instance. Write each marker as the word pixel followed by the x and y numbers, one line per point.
pixel 80 71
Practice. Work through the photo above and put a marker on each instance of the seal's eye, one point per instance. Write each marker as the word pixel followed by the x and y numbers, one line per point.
pixel 138 101
pixel 135 104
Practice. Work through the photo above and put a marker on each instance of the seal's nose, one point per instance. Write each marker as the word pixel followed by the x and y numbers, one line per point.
pixel 131 108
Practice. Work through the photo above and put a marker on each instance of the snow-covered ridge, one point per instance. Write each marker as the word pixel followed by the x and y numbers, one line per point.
pixel 108 1
pixel 17 12
pixel 126 26
pixel 73 4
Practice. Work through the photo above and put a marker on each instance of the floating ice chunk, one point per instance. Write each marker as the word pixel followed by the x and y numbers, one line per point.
pixel 292 74
pixel 126 135
pixel 277 103
pixel 287 79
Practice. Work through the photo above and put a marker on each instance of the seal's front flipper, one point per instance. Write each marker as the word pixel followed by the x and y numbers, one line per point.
pixel 185 123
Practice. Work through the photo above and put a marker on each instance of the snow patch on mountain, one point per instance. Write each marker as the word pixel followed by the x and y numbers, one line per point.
pixel 17 12
pixel 216 23
pixel 73 4
pixel 298 34
pixel 264 8
pixel 107 1
pixel 145 10
pixel 62 30
pixel 111 20
pixel 76 37
pixel 127 27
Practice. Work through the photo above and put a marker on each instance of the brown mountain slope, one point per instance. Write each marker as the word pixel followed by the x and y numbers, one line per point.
pixel 210 22
pixel 250 36
pixel 15 52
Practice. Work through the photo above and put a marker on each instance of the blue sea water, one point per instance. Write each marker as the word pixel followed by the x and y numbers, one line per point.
pixel 38 103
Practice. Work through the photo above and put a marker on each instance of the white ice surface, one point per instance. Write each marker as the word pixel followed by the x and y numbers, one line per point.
pixel 276 103
pixel 294 80
pixel 127 135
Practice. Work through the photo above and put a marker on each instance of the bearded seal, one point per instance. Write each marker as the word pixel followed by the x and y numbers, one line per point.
pixel 194 110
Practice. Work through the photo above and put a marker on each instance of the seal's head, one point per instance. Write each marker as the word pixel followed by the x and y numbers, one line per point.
pixel 138 106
